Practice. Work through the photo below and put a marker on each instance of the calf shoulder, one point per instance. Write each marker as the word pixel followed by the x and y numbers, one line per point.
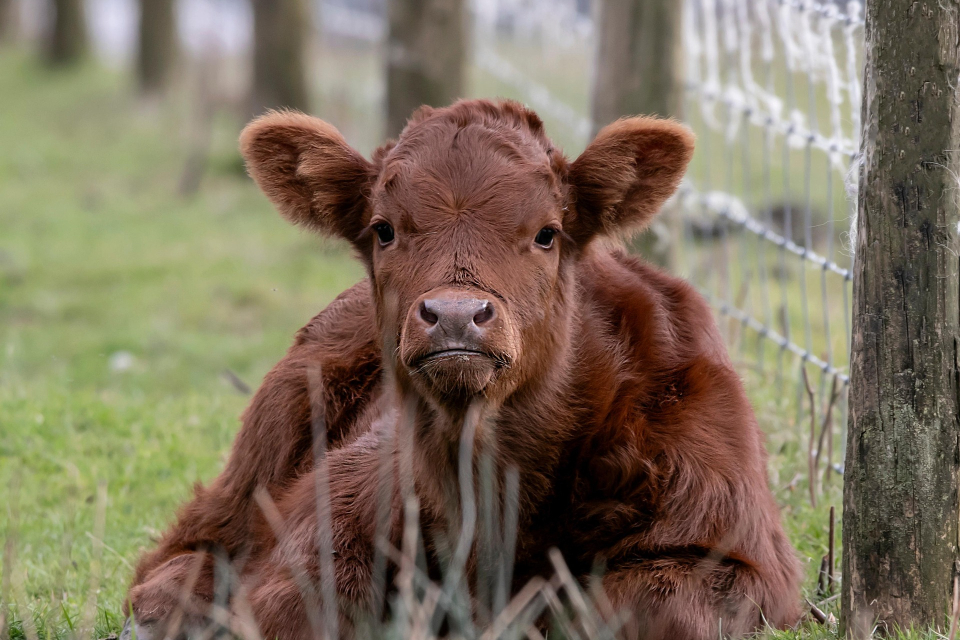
pixel 326 379
pixel 673 460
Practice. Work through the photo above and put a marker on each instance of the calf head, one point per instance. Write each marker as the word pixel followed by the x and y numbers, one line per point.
pixel 470 226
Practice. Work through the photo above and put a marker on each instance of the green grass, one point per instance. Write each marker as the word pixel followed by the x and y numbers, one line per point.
pixel 100 261
pixel 100 256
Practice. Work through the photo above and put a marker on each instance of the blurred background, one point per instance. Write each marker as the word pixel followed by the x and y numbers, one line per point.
pixel 146 286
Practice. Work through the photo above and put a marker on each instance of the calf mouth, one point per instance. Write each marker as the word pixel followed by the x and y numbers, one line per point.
pixel 459 354
pixel 456 373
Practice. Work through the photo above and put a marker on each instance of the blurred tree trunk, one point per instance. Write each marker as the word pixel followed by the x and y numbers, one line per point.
pixel 636 71
pixel 9 21
pixel 280 29
pixel 157 52
pixel 67 37
pixel 426 54
pixel 900 511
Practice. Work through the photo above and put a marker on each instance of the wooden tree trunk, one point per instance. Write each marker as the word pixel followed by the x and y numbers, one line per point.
pixel 900 515
pixel 157 53
pixel 9 21
pixel 636 71
pixel 67 37
pixel 279 56
pixel 426 52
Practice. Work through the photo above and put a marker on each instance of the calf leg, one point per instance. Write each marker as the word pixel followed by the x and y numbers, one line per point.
pixel 694 599
pixel 331 371
pixel 174 600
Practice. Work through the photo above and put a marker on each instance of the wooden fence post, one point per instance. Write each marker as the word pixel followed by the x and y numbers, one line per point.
pixel 66 41
pixel 280 29
pixel 636 71
pixel 900 513
pixel 157 49
pixel 425 56
pixel 9 21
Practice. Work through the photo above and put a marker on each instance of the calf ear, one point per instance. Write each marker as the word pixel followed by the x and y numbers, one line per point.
pixel 623 177
pixel 309 172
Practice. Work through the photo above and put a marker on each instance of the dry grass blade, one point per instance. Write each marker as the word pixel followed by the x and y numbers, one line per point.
pixel 239 620
pixel 321 475
pixel 8 584
pixel 58 596
pixel 96 562
pixel 277 525
pixel 533 633
pixel 408 585
pixel 185 606
pixel 453 586
pixel 119 556
pixel 553 601
pixel 29 625
pixel 407 561
pixel 615 619
pixel 511 514
pixel 9 550
pixel 423 615
pixel 514 609
pixel 591 624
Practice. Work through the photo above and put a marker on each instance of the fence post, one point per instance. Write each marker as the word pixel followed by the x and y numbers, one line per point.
pixel 636 72
pixel 67 38
pixel 157 49
pixel 900 513
pixel 280 30
pixel 9 21
pixel 425 56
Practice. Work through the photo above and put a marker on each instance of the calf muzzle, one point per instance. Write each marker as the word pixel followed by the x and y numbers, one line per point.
pixel 454 341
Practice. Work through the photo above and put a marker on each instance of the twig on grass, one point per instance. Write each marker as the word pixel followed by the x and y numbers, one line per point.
pixel 236 382
pixel 822 577
pixel 817 614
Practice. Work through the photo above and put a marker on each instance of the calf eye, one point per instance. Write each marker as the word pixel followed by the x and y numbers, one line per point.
pixel 384 233
pixel 545 237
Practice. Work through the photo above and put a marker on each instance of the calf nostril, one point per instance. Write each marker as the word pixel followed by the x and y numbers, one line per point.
pixel 428 316
pixel 485 314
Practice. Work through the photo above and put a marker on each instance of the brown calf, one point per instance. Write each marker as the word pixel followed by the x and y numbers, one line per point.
pixel 495 298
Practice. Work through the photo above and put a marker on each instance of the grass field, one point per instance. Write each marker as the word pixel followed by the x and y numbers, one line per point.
pixel 123 304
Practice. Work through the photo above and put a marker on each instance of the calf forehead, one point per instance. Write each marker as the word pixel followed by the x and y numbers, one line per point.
pixel 468 176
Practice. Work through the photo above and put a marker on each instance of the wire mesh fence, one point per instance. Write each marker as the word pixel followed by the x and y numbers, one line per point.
pixel 773 89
